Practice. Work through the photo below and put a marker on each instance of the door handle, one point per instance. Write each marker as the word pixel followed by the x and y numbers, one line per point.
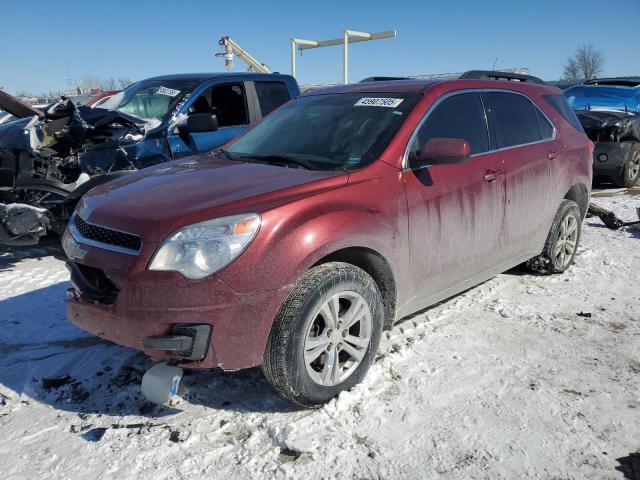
pixel 552 155
pixel 492 175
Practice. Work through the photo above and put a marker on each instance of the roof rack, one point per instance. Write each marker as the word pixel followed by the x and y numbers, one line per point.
pixel 496 75
pixel 383 79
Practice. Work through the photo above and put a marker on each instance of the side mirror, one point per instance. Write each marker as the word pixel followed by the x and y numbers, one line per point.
pixel 442 150
pixel 199 123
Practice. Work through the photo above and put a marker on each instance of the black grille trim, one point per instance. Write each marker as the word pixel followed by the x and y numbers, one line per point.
pixel 107 236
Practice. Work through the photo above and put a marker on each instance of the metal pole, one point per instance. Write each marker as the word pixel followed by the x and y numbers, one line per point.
pixel 348 36
pixel 345 65
pixel 293 57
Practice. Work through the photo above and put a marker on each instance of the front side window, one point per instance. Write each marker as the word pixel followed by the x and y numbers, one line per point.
pixel 460 116
pixel 227 101
pixel 512 119
pixel 329 132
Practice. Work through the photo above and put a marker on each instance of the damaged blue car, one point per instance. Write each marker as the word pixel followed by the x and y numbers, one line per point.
pixel 609 111
pixel 50 158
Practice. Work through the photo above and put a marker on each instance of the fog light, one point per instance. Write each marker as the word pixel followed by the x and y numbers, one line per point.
pixel 603 157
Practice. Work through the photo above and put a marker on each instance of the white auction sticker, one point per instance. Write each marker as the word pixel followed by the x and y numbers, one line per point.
pixel 379 102
pixel 167 91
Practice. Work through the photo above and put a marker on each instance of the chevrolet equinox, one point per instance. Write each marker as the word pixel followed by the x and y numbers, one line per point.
pixel 344 210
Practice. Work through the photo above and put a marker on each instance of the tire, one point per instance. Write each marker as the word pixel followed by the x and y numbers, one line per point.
pixel 300 328
pixel 554 257
pixel 631 169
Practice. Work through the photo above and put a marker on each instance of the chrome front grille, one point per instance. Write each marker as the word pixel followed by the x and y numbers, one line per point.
pixel 105 237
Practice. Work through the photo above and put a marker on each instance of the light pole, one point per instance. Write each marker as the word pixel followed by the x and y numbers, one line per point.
pixel 348 36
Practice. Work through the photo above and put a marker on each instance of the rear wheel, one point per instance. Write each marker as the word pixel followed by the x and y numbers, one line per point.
pixel 631 170
pixel 325 335
pixel 562 241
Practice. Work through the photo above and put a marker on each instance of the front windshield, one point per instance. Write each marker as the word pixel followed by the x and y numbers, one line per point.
pixel 329 132
pixel 604 98
pixel 150 99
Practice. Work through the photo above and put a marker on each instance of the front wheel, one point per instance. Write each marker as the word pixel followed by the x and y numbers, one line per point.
pixel 325 335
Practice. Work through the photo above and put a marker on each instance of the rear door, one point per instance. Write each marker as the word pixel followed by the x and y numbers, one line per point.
pixel 525 141
pixel 455 210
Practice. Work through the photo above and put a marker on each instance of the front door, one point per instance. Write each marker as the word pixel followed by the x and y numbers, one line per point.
pixel 229 102
pixel 455 211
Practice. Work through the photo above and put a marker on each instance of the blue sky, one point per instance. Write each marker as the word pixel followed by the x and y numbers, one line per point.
pixel 42 41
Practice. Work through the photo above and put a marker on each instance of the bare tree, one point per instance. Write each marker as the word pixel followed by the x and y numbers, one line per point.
pixel 124 82
pixel 571 70
pixel 89 82
pixel 586 63
pixel 109 84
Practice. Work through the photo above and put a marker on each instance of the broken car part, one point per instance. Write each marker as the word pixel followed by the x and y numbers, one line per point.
pixel 610 219
pixel 160 383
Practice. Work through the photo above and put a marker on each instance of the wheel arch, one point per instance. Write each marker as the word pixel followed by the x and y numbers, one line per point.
pixel 579 193
pixel 376 265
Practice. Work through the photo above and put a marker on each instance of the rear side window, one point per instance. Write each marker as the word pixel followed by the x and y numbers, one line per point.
pixel 271 95
pixel 512 119
pixel 560 105
pixel 459 116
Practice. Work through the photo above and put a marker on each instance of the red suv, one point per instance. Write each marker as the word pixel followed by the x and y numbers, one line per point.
pixel 338 214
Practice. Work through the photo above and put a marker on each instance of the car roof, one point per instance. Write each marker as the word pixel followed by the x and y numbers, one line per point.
pixel 202 76
pixel 387 86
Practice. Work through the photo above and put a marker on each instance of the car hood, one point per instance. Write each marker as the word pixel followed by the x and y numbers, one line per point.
pixel 156 201
pixel 17 108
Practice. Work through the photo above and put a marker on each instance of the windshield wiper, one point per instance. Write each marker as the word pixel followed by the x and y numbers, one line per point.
pixel 230 156
pixel 281 159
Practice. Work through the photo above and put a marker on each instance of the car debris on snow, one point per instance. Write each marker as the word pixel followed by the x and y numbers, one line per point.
pixel 610 219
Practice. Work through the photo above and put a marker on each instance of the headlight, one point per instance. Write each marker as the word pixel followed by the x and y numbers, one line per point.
pixel 204 248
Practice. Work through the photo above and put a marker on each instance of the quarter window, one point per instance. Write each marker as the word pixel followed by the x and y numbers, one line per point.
pixel 560 104
pixel 459 116
pixel 512 119
pixel 271 95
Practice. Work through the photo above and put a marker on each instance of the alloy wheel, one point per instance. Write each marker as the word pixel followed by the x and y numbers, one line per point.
pixel 567 241
pixel 337 338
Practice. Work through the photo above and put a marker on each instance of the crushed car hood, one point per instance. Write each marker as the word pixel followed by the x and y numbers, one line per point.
pixel 17 108
pixel 610 126
pixel 157 201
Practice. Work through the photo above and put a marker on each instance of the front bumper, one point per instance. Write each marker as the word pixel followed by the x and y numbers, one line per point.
pixel 609 158
pixel 152 304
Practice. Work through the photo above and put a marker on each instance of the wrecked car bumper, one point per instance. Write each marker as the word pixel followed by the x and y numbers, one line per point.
pixel 144 310
pixel 609 158
pixel 151 305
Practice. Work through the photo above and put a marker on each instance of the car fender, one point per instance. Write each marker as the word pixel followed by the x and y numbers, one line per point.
pixel 291 241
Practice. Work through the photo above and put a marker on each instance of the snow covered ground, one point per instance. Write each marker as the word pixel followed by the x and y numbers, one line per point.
pixel 522 377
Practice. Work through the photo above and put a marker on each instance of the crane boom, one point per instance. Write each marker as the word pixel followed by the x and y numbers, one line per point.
pixel 231 48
